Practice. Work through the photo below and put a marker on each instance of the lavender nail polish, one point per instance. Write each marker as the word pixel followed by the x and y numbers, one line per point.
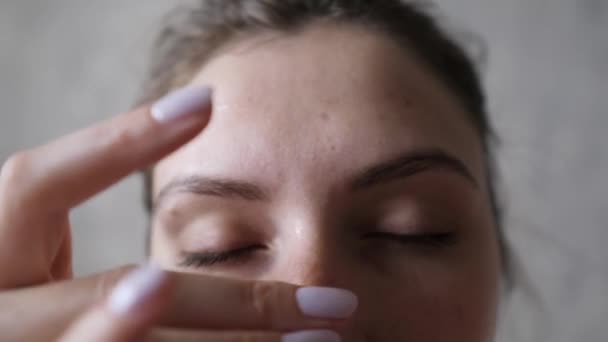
pixel 326 302
pixel 135 288
pixel 312 336
pixel 180 103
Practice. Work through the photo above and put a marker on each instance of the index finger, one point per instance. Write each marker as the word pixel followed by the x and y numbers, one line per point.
pixel 196 302
pixel 66 172
pixel 136 303
pixel 225 303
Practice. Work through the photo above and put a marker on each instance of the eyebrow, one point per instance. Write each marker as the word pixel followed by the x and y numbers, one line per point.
pixel 410 164
pixel 404 166
pixel 201 185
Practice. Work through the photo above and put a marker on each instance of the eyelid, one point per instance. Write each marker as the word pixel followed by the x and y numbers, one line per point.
pixel 435 239
pixel 208 259
pixel 217 230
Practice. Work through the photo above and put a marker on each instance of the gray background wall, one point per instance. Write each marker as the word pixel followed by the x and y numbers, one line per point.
pixel 65 64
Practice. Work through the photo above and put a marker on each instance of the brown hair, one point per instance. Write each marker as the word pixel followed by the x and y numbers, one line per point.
pixel 192 33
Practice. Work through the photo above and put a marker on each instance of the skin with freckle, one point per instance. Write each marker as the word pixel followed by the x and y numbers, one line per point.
pixel 299 117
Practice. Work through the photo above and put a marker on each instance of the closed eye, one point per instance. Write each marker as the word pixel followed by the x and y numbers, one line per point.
pixel 235 256
pixel 208 259
pixel 427 239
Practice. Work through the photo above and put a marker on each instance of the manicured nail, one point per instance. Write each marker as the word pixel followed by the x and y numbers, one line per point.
pixel 326 302
pixel 135 289
pixel 181 102
pixel 312 336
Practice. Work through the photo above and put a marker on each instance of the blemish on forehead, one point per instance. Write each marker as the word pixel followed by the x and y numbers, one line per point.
pixel 222 107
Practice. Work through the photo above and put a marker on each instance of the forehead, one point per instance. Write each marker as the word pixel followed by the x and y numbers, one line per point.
pixel 328 100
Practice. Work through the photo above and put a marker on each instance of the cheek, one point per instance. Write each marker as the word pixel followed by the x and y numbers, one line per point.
pixel 424 300
pixel 419 308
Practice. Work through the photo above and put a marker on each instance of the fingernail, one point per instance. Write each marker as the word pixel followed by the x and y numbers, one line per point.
pixel 135 289
pixel 181 102
pixel 326 302
pixel 312 336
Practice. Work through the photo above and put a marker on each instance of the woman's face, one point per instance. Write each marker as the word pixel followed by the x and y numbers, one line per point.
pixel 334 158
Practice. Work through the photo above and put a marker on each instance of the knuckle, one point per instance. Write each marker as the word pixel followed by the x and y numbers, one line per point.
pixel 15 168
pixel 264 298
pixel 122 137
pixel 111 137
pixel 108 280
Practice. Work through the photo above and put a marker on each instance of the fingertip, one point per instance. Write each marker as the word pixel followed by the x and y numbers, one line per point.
pixel 138 291
pixel 129 311
pixel 326 302
pixel 186 101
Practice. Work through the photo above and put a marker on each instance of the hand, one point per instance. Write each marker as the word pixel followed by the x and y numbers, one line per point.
pixel 169 306
pixel 38 188
pixel 141 299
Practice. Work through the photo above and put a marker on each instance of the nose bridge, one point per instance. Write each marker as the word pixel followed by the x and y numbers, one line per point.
pixel 312 267
pixel 313 255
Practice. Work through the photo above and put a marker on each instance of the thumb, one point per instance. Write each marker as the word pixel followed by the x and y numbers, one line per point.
pixel 129 312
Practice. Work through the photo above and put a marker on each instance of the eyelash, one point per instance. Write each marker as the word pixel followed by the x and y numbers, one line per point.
pixel 433 240
pixel 208 259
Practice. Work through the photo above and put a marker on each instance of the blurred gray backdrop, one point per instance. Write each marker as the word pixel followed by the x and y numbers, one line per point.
pixel 65 64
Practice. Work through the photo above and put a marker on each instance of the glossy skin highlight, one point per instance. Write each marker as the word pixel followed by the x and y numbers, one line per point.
pixel 279 179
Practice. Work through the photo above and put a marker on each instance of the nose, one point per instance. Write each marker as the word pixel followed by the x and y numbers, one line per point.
pixel 315 257
pixel 321 255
